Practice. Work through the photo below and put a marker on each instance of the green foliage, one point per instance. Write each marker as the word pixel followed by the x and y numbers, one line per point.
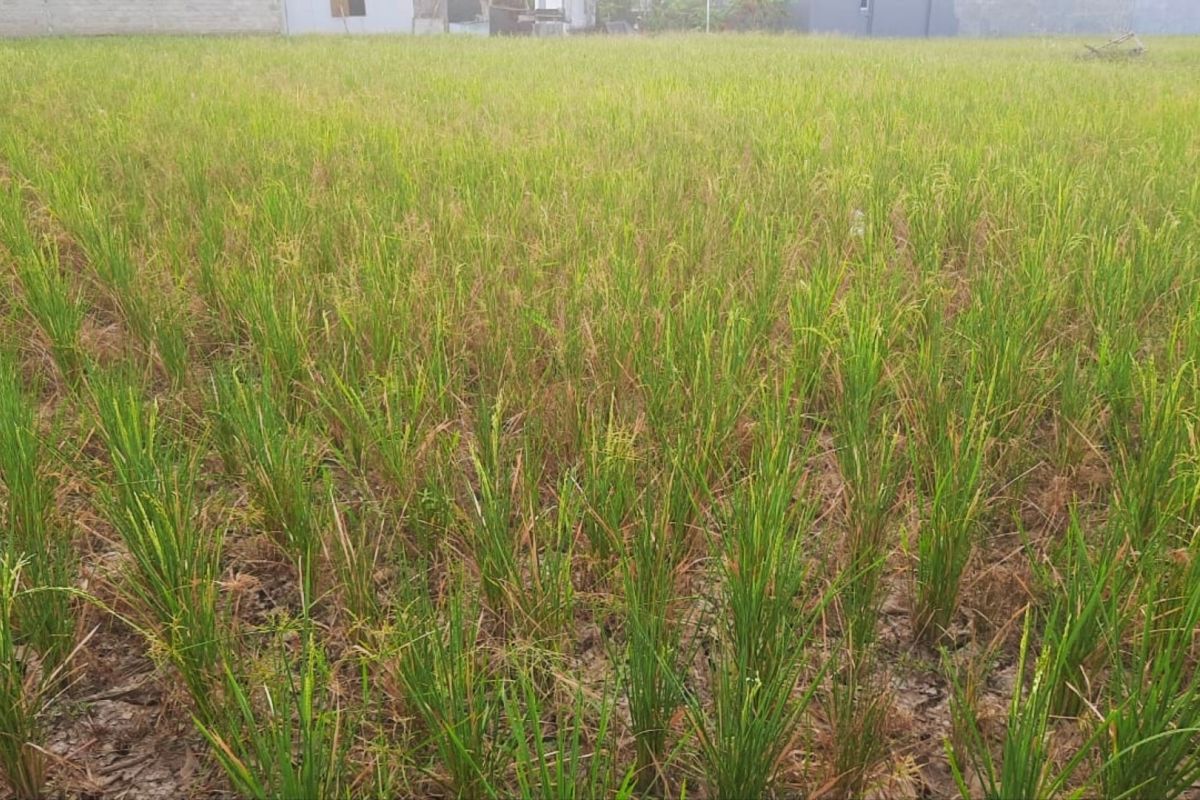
pixel 22 692
pixel 449 682
pixel 33 532
pixel 278 733
pixel 1025 768
pixel 765 631
pixel 174 562
pixel 274 456
pixel 553 759
pixel 653 630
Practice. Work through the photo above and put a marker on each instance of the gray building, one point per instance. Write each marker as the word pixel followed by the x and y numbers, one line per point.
pixel 1078 17
pixel 994 17
pixel 907 18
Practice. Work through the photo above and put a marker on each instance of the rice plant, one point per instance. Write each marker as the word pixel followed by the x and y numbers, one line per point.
pixel 1026 767
pixel 1152 746
pixel 446 678
pixel 653 626
pixel 1090 606
pixel 55 308
pixel 48 297
pixel 382 425
pixel 948 457
pixel 356 546
pixel 608 481
pixel 548 602
pixel 856 700
pixel 174 562
pixel 22 694
pixel 496 513
pixel 869 465
pixel 770 612
pixel 278 734
pixel 34 532
pixel 566 757
pixel 275 458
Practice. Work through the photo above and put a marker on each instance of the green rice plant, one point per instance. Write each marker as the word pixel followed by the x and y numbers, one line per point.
pixel 355 547
pixel 765 630
pixel 435 513
pixel 687 408
pixel 21 759
pixel 273 314
pixel 104 239
pixel 55 307
pixel 47 295
pixel 495 514
pixel 548 601
pixel 279 733
pixel 174 561
pixel 863 570
pixel 27 684
pixel 1026 768
pixel 46 619
pixel 608 481
pixel 654 654
pixel 381 425
pixel 858 706
pixel 948 464
pixel 105 245
pixel 855 698
pixel 376 315
pixel 1151 489
pixel 274 456
pixel 1116 379
pixel 447 680
pixel 1003 330
pixel 558 752
pixel 864 436
pixel 811 312
pixel 1089 608
pixel 1152 746
pixel 171 343
pixel 107 250
pixel 37 568
pixel 856 701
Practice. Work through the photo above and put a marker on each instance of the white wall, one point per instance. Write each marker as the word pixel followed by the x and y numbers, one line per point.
pixel 76 17
pixel 314 16
pixel 580 13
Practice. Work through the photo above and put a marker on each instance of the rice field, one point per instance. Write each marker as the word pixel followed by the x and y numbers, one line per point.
pixel 705 417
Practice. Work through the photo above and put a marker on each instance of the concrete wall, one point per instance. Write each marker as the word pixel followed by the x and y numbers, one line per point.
pixel 580 14
pixel 996 17
pixel 909 18
pixel 882 17
pixel 383 16
pixel 837 16
pixel 1036 17
pixel 75 17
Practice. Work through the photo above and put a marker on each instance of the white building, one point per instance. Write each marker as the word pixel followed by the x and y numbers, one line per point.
pixel 97 17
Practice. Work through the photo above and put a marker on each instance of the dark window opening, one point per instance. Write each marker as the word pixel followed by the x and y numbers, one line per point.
pixel 864 5
pixel 348 8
